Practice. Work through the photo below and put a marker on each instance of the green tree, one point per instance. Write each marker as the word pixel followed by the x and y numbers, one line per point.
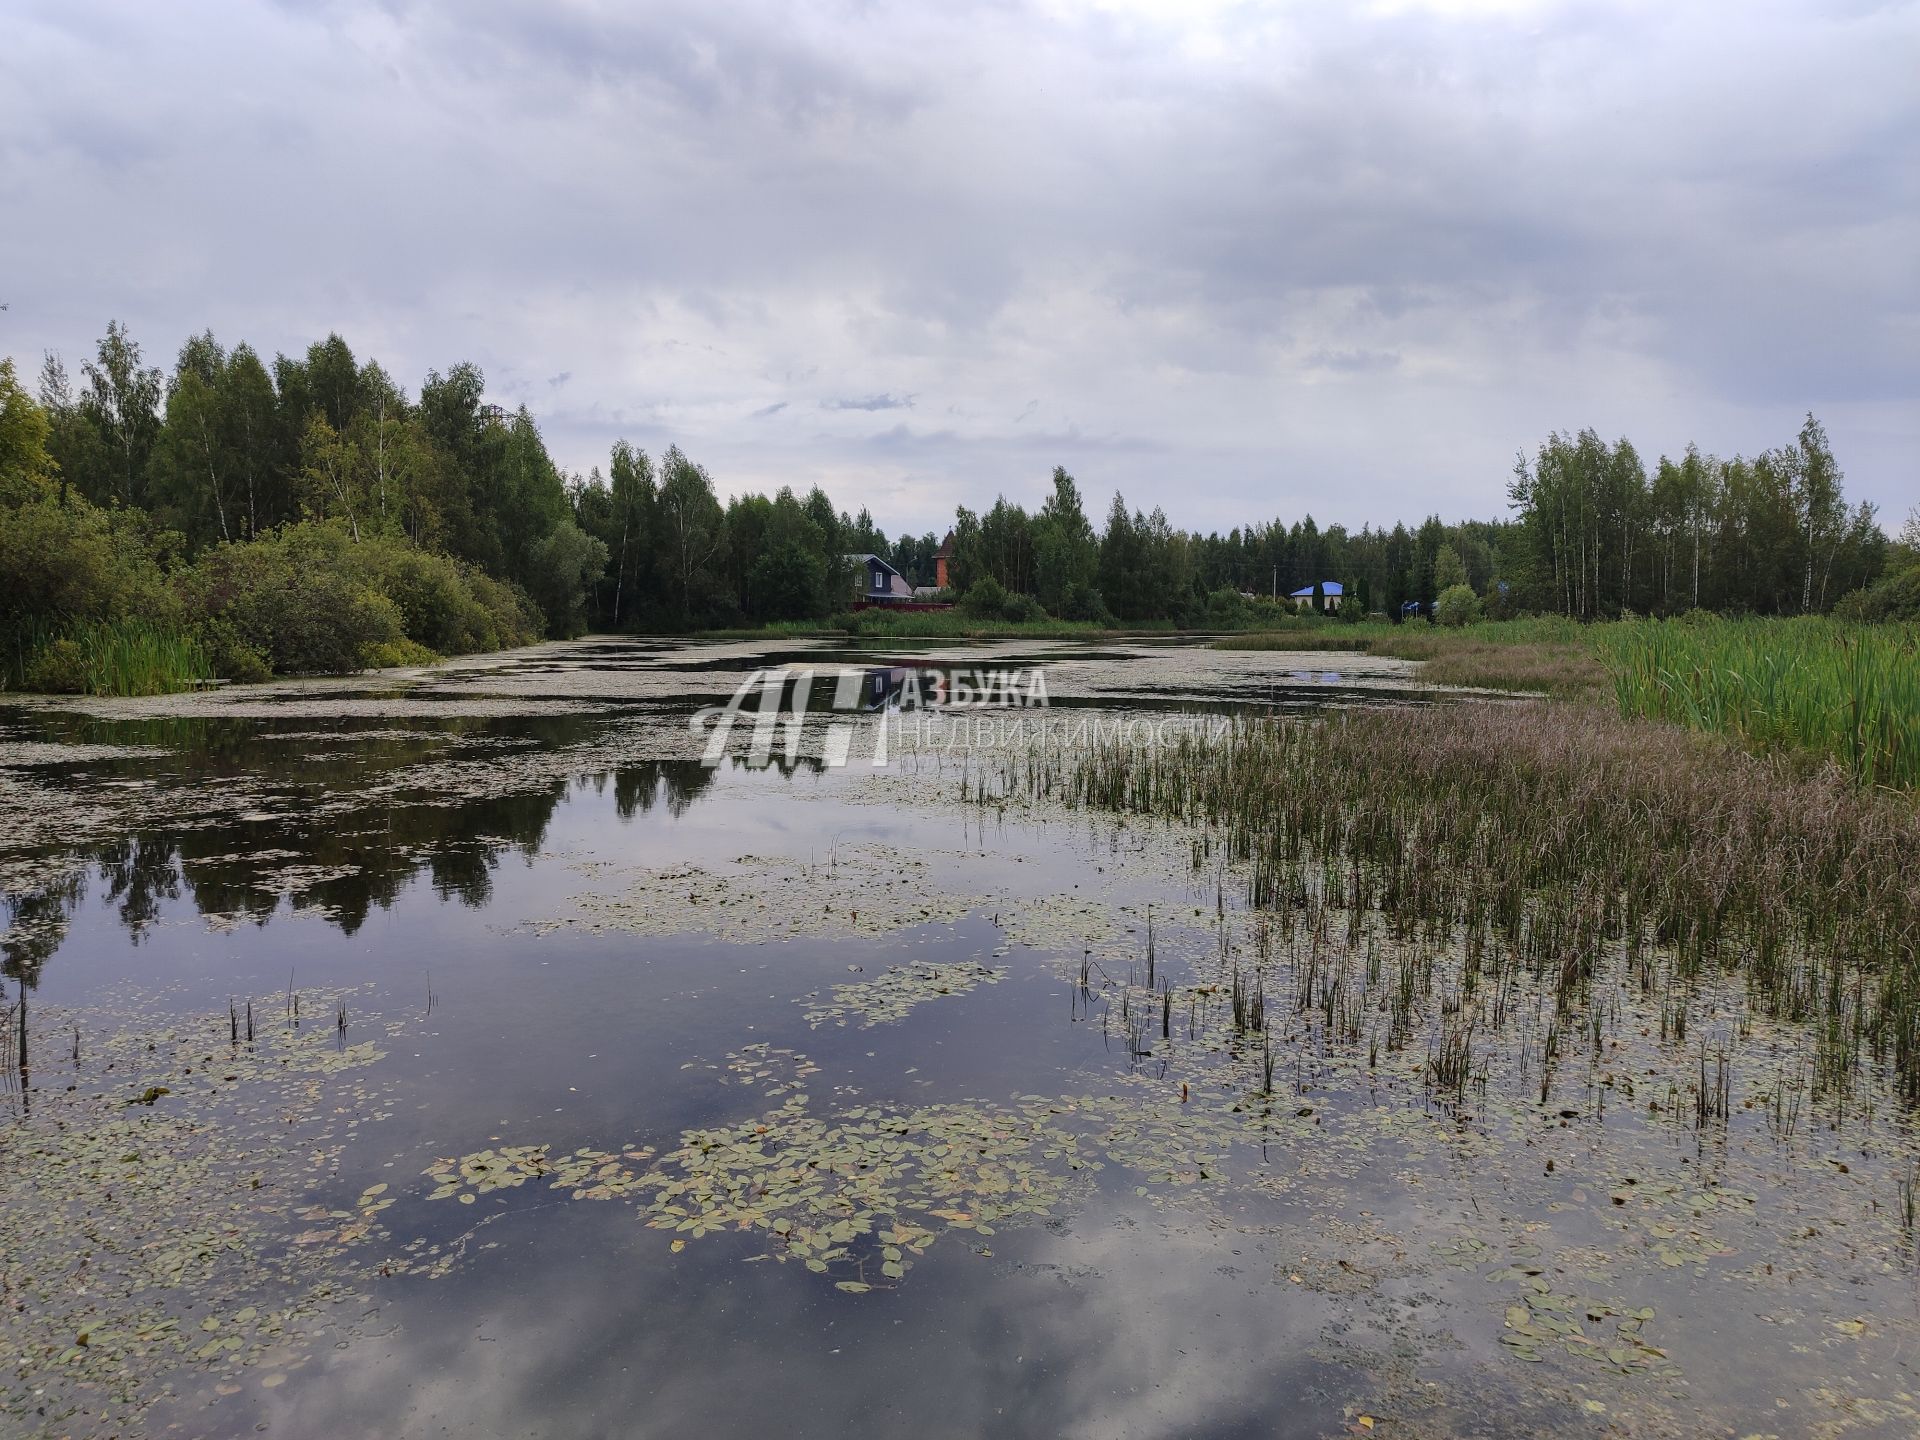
pixel 191 484
pixel 120 402
pixel 26 466
pixel 631 517
pixel 1820 508
pixel 692 532
pixel 529 497
pixel 968 565
pixel 788 582
pixel 330 474
pixel 379 431
pixel 1066 559
pixel 1006 546
pixel 1124 580
pixel 565 562
pixel 458 480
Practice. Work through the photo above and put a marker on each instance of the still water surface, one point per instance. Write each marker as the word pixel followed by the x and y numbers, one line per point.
pixel 629 1096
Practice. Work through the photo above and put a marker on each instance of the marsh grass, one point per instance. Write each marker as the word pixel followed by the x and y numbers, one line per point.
pixel 1504 850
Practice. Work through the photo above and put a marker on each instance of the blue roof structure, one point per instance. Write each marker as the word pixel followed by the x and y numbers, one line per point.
pixel 1327 587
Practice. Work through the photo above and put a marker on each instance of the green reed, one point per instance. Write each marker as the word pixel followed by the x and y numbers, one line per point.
pixel 128 656
pixel 1850 693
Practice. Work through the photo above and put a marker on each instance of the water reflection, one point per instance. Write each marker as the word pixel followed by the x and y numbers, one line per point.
pixel 340 867
pixel 335 814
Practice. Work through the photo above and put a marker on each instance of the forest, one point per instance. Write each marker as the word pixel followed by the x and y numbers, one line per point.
pixel 239 518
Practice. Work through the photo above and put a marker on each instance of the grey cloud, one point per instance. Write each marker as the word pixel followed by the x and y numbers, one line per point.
pixel 1353 362
pixel 870 402
pixel 1207 230
pixel 768 411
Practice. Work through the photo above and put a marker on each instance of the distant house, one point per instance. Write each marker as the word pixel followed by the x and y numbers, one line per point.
pixel 940 559
pixel 1333 591
pixel 875 582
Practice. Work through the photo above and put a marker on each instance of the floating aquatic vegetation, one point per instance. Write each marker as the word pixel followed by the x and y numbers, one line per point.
pixel 861 1195
pixel 587 1174
pixel 1072 923
pixel 471 1176
pixel 16 753
pixel 867 1191
pixel 1542 1316
pixel 1663 1214
pixel 156 1181
pixel 869 1188
pixel 772 1070
pixel 896 991
pixel 852 891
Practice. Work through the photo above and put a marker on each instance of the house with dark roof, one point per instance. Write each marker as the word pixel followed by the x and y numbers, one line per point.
pixel 875 582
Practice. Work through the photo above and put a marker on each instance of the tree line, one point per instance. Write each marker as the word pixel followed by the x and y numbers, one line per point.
pixel 257 504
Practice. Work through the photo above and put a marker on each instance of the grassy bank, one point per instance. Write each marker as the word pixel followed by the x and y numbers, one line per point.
pixel 1550 655
pixel 1840 692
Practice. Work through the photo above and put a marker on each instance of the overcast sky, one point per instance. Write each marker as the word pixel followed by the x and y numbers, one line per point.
pixel 1237 260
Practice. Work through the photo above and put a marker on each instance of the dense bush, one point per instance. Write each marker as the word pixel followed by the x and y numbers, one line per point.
pixel 988 599
pixel 1227 609
pixel 70 562
pixel 1082 601
pixel 446 606
pixel 55 668
pixel 788 582
pixel 310 599
pixel 1895 598
pixel 304 620
pixel 229 655
pixel 1457 605
pixel 88 602
pixel 85 606
pixel 395 654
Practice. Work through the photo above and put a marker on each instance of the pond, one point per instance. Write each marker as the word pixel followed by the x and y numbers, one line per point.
pixel 489 1050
